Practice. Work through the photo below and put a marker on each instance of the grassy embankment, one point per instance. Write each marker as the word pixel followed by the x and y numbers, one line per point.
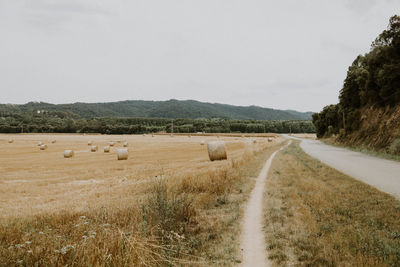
pixel 317 216
pixel 190 220
pixel 363 149
pixel 378 133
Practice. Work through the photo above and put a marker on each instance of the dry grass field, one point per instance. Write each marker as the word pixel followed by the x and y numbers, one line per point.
pixel 307 136
pixel 317 216
pixel 33 181
pixel 166 205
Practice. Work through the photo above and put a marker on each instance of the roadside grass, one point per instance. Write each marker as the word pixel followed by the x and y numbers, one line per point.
pixel 193 220
pixel 363 149
pixel 317 216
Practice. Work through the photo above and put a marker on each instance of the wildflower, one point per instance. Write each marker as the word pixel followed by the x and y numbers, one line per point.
pixel 41 233
pixel 19 245
pixel 86 223
pixel 28 242
pixel 84 236
pixel 108 256
pixel 92 234
pixel 66 248
pixel 77 225
pixel 83 217
pixel 30 251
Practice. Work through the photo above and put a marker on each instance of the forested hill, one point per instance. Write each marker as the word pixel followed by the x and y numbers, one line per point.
pixel 160 109
pixel 368 112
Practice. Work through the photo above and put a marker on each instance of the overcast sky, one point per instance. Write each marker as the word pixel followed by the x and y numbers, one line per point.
pixel 286 54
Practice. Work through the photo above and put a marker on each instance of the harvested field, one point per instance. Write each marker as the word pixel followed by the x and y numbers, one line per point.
pixel 34 181
pixel 94 210
pixel 307 136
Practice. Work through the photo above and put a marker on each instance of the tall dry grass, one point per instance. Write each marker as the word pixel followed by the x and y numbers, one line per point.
pixel 191 220
pixel 317 216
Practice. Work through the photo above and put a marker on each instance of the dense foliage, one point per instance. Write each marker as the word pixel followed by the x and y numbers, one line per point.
pixel 372 80
pixel 66 122
pixel 161 109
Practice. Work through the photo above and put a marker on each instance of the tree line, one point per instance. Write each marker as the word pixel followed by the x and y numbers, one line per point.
pixel 373 79
pixel 67 122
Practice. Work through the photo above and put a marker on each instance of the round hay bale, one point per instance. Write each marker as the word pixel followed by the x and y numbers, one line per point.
pixel 39 143
pixel 106 149
pixel 152 135
pixel 202 143
pixel 254 141
pixel 112 143
pixel 122 154
pixel 54 141
pixel 269 139
pixel 68 153
pixel 43 147
pixel 93 148
pixel 89 143
pixel 189 136
pixel 216 150
pixel 125 144
pixel 10 141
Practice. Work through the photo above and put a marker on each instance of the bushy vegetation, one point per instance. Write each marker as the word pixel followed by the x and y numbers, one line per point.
pixel 373 80
pixel 67 122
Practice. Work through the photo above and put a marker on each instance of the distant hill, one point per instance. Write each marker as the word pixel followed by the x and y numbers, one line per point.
pixel 162 109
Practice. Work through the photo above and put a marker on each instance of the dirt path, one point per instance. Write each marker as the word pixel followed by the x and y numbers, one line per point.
pixel 253 240
pixel 380 173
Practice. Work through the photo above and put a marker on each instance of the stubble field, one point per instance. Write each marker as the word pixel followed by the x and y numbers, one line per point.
pixel 168 204
pixel 34 181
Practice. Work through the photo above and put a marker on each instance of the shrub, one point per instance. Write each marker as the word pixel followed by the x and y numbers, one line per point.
pixel 394 147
